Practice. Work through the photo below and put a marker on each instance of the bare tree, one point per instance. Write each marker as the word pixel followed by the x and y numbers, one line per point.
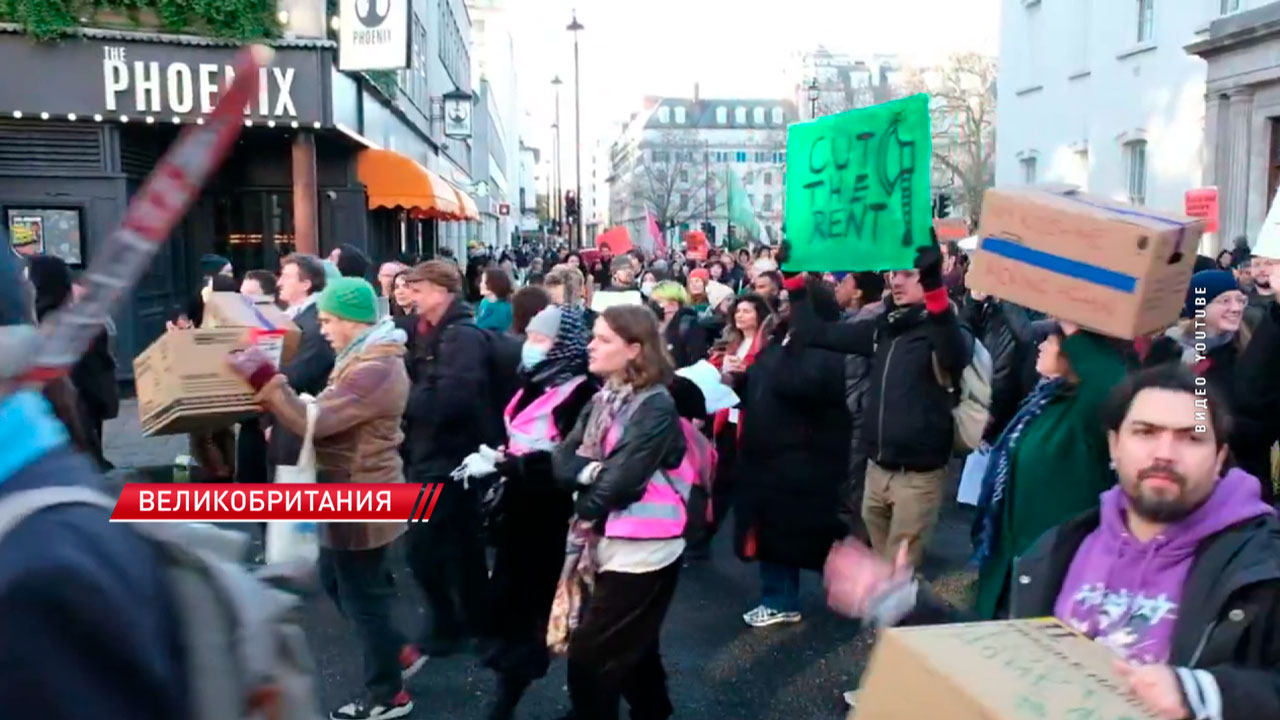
pixel 963 110
pixel 672 181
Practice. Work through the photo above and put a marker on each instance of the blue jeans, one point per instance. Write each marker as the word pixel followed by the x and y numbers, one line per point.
pixel 780 587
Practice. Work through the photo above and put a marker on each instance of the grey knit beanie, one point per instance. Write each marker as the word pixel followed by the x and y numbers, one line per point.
pixel 546 322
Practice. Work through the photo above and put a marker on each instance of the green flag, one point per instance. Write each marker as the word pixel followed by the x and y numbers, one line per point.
pixel 733 195
pixel 858 195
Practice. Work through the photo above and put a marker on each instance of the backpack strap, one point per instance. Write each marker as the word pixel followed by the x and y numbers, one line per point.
pixel 18 506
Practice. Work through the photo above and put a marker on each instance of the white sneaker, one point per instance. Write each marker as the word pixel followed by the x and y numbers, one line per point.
pixel 851 699
pixel 762 616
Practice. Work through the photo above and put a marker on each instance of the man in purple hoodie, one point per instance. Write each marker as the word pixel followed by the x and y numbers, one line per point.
pixel 1178 571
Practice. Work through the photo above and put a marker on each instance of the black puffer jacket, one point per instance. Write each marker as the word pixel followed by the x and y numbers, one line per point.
pixel 909 426
pixel 686 339
pixel 1002 328
pixel 451 408
pixel 651 439
pixel 1228 620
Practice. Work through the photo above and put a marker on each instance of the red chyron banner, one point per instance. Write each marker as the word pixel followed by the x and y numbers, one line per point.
pixel 338 502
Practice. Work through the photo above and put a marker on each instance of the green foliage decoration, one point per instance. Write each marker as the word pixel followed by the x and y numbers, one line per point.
pixel 230 19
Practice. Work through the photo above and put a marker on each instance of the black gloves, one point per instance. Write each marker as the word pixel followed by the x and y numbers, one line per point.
pixel 929 265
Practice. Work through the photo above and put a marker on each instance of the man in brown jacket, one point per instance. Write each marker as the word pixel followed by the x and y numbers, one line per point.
pixel 357 439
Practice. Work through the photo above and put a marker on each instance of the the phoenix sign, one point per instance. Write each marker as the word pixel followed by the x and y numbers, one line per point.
pixel 373 35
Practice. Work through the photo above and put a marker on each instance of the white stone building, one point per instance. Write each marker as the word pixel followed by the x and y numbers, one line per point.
pixel 1242 123
pixel 526 209
pixel 497 160
pixel 1103 94
pixel 700 140
pixel 843 81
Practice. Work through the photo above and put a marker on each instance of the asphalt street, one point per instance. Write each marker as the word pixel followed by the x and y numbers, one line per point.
pixel 718 667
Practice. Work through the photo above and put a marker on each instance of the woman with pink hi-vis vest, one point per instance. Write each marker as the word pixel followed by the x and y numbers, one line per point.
pixel 529 522
pixel 620 459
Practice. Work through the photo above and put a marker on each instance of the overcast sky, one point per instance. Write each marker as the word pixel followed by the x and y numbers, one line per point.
pixel 633 48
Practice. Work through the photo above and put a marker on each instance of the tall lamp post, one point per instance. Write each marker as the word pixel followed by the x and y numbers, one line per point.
pixel 574 27
pixel 556 82
pixel 814 92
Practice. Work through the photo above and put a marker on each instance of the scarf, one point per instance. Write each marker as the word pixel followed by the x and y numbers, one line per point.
pixel 567 358
pixel 901 318
pixel 383 332
pixel 605 406
pixel 995 481
pixel 1187 342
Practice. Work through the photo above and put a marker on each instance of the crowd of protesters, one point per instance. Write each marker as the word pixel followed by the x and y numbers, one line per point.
pixel 543 389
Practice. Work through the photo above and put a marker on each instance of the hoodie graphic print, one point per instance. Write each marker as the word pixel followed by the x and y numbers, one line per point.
pixel 1125 593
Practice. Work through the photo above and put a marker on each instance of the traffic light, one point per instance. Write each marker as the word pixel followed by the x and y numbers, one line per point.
pixel 709 229
pixel 570 204
pixel 942 206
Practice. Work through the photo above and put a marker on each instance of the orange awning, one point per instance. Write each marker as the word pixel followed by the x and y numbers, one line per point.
pixel 469 209
pixel 394 180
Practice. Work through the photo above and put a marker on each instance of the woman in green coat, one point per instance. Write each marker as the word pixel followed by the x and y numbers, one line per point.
pixel 1051 462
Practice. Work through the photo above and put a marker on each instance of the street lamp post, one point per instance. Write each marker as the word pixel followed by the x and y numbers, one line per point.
pixel 556 82
pixel 574 27
pixel 814 91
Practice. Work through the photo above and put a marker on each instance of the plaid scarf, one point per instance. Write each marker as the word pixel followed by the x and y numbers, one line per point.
pixel 605 406
pixel 567 358
pixel 996 480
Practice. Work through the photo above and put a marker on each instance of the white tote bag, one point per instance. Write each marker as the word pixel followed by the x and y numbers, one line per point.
pixel 289 542
pixel 975 467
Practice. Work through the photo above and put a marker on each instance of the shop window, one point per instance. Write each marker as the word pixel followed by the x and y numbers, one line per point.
pixel 49 231
pixel 1135 164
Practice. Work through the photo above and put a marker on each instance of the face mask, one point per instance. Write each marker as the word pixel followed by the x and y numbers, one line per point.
pixel 646 289
pixel 531 355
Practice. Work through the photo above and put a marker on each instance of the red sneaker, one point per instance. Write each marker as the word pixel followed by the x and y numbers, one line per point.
pixel 411 661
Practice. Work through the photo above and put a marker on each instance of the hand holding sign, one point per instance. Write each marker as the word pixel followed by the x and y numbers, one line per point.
pixel 858 188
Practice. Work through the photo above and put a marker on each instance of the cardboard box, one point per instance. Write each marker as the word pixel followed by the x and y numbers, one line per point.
pixel 1110 267
pixel 183 382
pixel 993 671
pixel 233 310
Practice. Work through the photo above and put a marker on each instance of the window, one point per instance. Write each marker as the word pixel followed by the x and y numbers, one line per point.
pixel 684 176
pixel 680 115
pixel 762 157
pixel 768 178
pixel 1135 167
pixel 740 115
pixel 51 231
pixel 741 155
pixel 664 115
pixel 1146 19
pixel 684 201
pixel 1028 170
pixel 661 156
pixel 759 116
pixel 767 205
pixel 722 115
pixel 1230 6
pixel 748 178
pixel 778 117
pixel 1082 168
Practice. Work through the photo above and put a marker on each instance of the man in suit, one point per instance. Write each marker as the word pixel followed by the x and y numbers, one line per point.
pixel 302 279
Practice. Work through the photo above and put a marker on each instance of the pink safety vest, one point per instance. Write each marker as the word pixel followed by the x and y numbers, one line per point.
pixel 660 512
pixel 534 428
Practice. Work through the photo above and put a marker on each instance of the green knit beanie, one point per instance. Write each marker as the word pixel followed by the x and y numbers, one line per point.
pixel 349 299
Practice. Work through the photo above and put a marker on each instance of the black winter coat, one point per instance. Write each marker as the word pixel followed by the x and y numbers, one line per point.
pixel 857 384
pixel 1250 381
pixel 686 339
pixel 910 425
pixel 451 407
pixel 1002 329
pixel 651 440
pixel 793 456
pixel 307 372
pixel 1229 616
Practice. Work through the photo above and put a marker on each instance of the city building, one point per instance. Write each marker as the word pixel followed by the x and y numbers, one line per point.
pixel 689 160
pixel 1104 95
pixel 1242 119
pixel 326 158
pixel 530 187
pixel 827 82
pixel 496 81
pixel 595 189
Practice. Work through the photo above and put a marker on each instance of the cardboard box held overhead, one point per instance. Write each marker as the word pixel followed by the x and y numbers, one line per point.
pixel 184 383
pixel 233 310
pixel 1013 670
pixel 1107 266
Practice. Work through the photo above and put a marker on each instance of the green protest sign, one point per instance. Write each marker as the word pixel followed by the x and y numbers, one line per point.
pixel 858 194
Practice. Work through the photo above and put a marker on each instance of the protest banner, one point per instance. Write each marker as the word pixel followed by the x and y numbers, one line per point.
pixel 858 188
pixel 1268 242
pixel 1203 203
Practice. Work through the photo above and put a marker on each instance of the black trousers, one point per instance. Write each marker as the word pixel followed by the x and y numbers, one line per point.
pixel 614 653
pixel 447 557
pixel 360 583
